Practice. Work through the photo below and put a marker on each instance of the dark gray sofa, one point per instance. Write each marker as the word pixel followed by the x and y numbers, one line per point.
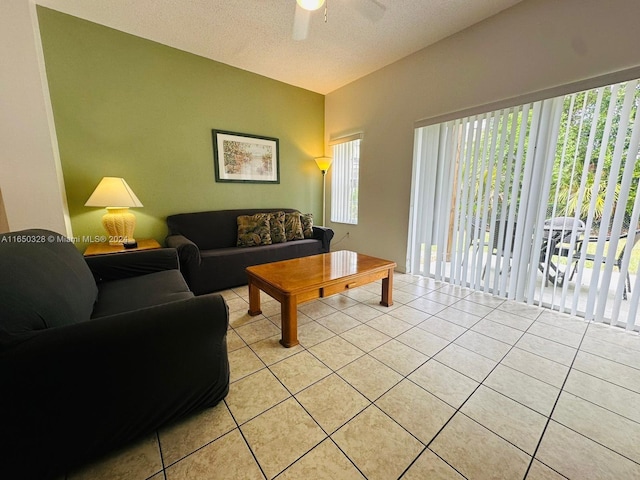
pixel 209 258
pixel 97 352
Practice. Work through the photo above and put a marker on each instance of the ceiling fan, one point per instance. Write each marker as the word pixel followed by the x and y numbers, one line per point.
pixel 371 9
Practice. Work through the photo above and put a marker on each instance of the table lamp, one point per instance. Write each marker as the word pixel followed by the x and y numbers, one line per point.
pixel 116 196
pixel 323 164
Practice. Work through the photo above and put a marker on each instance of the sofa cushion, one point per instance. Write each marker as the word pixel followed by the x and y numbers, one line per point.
pixel 307 225
pixel 144 291
pixel 45 282
pixel 254 230
pixel 293 226
pixel 276 221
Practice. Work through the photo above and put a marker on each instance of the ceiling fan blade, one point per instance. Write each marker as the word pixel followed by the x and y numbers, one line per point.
pixel 372 9
pixel 301 23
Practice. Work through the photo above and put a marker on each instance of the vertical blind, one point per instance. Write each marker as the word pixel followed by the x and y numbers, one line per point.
pixel 344 182
pixel 535 203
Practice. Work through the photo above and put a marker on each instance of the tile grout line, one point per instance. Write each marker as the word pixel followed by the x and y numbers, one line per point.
pixel 244 438
pixel 457 410
pixel 293 396
pixel 603 407
pixel 546 425
pixel 255 459
pixel 164 472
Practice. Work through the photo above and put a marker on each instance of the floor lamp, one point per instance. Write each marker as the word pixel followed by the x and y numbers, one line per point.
pixel 323 164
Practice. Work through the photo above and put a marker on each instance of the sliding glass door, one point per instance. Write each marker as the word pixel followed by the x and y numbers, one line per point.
pixel 535 203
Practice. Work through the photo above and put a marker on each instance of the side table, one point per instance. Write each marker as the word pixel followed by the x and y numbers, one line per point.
pixel 104 248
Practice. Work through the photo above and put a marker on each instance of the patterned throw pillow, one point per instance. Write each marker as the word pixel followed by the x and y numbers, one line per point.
pixel 307 224
pixel 293 226
pixel 276 221
pixel 254 230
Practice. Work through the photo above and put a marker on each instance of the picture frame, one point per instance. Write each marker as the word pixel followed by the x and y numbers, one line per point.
pixel 245 158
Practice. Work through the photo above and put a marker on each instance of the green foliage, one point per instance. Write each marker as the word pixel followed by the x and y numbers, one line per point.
pixel 497 182
pixel 585 137
pixel 584 170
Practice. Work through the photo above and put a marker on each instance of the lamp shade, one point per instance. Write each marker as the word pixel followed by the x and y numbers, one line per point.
pixel 324 163
pixel 310 4
pixel 113 192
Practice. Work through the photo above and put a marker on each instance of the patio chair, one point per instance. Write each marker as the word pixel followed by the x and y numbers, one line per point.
pixel 557 239
pixel 475 242
pixel 625 237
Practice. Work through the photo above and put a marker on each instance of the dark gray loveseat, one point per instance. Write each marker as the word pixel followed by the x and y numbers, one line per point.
pixel 96 353
pixel 209 258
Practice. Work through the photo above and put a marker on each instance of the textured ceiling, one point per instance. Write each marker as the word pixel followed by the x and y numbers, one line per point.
pixel 256 35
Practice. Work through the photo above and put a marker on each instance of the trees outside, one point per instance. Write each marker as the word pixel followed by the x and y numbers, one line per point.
pixel 589 129
pixel 595 128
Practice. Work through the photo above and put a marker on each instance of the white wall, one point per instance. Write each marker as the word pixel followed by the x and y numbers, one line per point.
pixel 534 46
pixel 30 173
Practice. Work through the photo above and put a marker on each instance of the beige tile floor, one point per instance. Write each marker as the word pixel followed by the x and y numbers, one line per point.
pixel 445 384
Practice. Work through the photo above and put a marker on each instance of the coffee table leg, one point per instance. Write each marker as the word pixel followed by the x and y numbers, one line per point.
pixel 254 299
pixel 387 290
pixel 289 317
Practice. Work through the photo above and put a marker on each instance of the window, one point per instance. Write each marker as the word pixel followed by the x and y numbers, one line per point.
pixel 344 182
pixel 536 203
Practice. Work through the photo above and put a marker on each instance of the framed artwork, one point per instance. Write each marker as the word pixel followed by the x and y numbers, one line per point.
pixel 240 157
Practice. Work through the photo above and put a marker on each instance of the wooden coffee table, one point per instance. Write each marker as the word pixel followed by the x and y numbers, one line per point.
pixel 292 282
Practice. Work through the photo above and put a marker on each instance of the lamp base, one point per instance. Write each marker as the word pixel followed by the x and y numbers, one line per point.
pixel 119 224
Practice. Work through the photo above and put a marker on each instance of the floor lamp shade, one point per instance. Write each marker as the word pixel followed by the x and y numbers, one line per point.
pixel 324 163
pixel 116 196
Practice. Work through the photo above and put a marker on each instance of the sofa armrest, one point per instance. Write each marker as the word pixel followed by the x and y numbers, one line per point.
pixel 73 392
pixel 325 234
pixel 132 264
pixel 188 252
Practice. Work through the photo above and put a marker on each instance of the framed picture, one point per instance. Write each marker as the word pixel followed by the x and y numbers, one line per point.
pixel 239 157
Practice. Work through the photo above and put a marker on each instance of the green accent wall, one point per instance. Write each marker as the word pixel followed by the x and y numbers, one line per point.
pixel 129 107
